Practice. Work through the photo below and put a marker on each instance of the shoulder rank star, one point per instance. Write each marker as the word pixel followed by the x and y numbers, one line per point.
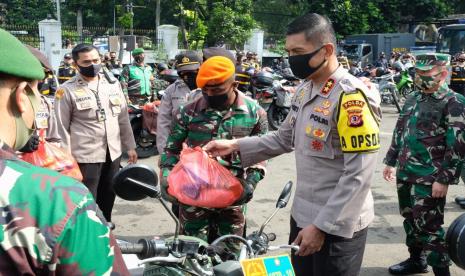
pixel 327 87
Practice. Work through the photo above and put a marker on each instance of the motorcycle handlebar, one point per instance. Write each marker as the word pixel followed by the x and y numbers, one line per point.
pixel 131 248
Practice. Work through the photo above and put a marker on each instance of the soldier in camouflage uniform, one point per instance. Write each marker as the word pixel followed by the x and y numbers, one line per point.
pixel 223 113
pixel 50 224
pixel 427 148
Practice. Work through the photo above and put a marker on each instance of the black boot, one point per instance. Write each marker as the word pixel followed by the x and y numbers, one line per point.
pixel 441 271
pixel 415 264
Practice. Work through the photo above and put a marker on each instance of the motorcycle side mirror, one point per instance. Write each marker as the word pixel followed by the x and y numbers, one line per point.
pixel 135 182
pixel 284 196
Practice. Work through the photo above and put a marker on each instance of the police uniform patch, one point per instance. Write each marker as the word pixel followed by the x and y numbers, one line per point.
pixel 327 87
pixel 317 145
pixel 319 133
pixel 185 60
pixel 355 118
pixel 59 93
pixel 326 104
pixel 308 130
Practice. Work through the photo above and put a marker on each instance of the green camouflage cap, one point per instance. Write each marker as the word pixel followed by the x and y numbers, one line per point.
pixel 137 51
pixel 17 60
pixel 426 62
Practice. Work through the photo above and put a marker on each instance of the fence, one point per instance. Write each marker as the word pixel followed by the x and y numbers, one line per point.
pixel 27 34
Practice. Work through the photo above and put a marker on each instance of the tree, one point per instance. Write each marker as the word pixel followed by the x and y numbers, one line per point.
pixel 230 22
pixel 27 12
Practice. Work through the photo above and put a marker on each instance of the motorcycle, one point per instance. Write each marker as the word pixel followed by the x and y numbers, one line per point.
pixel 388 90
pixel 274 96
pixel 185 255
pixel 404 83
pixel 145 139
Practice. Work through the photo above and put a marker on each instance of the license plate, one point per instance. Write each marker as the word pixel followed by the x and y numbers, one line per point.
pixel 268 266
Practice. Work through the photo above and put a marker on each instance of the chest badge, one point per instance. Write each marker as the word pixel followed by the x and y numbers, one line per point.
pixel 317 145
pixel 328 87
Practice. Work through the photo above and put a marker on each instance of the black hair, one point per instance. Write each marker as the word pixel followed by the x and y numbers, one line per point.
pixel 317 28
pixel 82 48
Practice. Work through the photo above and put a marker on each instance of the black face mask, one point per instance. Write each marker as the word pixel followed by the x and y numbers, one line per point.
pixel 91 70
pixel 218 102
pixel 191 80
pixel 139 59
pixel 299 64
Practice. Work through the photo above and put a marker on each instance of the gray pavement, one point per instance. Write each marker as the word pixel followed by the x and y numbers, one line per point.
pixel 385 244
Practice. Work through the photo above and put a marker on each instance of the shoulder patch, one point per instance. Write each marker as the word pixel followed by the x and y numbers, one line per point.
pixel 357 125
pixel 328 86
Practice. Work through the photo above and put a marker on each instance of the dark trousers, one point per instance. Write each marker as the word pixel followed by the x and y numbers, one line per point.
pixel 338 257
pixel 98 179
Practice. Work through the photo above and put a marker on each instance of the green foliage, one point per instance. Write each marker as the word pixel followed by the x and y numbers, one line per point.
pixel 231 24
pixel 27 12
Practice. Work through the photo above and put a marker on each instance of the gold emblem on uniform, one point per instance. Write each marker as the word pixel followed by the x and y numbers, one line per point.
pixel 80 92
pixel 326 104
pixel 185 60
pixel 59 93
pixel 319 133
pixel 308 130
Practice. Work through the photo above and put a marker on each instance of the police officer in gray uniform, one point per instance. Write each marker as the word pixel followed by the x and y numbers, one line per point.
pixel 93 123
pixel 333 128
pixel 177 94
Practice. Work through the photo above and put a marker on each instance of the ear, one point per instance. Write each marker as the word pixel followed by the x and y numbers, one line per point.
pixel 330 49
pixel 20 97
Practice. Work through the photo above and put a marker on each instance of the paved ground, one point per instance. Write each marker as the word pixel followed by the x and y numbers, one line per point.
pixel 385 245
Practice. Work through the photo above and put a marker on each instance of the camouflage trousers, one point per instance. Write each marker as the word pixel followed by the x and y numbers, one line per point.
pixel 209 224
pixel 424 217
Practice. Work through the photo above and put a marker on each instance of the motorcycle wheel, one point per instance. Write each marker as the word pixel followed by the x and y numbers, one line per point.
pixel 142 150
pixel 395 99
pixel 405 91
pixel 455 239
pixel 276 116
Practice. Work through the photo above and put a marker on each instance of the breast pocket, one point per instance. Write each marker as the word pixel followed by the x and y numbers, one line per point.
pixel 115 103
pixel 429 124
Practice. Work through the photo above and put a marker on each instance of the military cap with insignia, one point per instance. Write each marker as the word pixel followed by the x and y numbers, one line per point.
pixel 17 60
pixel 188 61
pixel 426 62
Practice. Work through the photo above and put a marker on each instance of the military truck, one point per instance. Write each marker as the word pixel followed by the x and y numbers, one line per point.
pixel 365 48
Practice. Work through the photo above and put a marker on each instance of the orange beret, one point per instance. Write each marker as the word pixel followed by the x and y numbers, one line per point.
pixel 215 70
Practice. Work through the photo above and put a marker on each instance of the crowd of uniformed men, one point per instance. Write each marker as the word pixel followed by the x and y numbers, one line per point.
pixel 333 127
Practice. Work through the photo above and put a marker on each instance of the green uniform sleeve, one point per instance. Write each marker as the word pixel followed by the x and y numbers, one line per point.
pixel 124 78
pixel 86 246
pixel 451 166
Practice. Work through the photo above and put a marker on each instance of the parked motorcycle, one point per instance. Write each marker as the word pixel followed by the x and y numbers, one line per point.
pixel 404 83
pixel 184 255
pixel 274 96
pixel 387 87
pixel 145 139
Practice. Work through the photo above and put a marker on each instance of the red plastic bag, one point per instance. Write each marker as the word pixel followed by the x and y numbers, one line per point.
pixel 198 180
pixel 149 117
pixel 54 158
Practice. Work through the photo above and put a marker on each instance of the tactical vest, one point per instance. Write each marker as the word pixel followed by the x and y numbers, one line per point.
pixel 139 80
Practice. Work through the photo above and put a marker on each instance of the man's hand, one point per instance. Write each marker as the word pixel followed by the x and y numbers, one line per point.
pixel 389 173
pixel 310 240
pixel 132 156
pixel 221 147
pixel 439 190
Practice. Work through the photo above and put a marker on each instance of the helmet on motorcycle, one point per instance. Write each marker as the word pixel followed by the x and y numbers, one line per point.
pixel 169 75
pixel 381 71
pixel 263 79
pixel 161 67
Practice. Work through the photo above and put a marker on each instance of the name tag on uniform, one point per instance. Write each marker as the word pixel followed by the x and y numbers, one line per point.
pixel 42 119
pixel 84 102
pixel 101 116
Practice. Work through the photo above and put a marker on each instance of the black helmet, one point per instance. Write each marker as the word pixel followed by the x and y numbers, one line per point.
pixel 263 79
pixel 161 67
pixel 381 71
pixel 169 75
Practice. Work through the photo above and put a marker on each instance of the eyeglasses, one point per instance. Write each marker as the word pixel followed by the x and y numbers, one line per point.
pixel 67 57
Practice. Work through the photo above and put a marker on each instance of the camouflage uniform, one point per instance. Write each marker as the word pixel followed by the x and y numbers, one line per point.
pixel 196 125
pixel 51 224
pixel 137 83
pixel 427 146
pixel 159 85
